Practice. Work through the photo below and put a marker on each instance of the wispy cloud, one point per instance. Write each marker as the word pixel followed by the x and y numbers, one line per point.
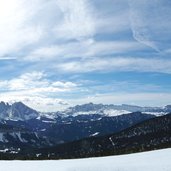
pixel 8 58
pixel 15 33
pixel 117 64
pixel 150 21
pixel 87 48
pixel 78 21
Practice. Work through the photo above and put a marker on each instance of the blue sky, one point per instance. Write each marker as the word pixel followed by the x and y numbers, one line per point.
pixel 58 53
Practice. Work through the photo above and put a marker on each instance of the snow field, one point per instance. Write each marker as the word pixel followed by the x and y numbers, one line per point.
pixel 159 160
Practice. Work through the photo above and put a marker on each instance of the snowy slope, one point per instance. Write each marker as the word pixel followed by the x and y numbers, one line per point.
pixel 148 161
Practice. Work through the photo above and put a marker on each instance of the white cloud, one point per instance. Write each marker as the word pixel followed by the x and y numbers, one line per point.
pixel 44 26
pixel 25 82
pixel 117 64
pixel 35 89
pixel 35 82
pixel 38 29
pixel 78 21
pixel 111 16
pixel 88 48
pixel 64 84
pixel 40 23
pixel 15 33
pixel 6 58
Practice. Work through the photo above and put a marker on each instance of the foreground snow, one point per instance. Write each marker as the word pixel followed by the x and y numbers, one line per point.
pixel 159 160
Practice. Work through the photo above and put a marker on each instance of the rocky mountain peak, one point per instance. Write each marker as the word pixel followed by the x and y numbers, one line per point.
pixel 16 111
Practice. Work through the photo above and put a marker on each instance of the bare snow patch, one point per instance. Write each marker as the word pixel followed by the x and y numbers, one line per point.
pixel 112 112
pixel 96 133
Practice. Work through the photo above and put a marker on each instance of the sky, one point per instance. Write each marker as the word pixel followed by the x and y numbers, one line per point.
pixel 59 53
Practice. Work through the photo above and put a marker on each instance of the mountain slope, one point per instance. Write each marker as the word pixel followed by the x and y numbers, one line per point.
pixel 79 128
pixel 13 139
pixel 71 128
pixel 148 135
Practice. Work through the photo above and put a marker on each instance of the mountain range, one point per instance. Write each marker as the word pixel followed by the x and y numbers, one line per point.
pixel 19 111
pixel 23 128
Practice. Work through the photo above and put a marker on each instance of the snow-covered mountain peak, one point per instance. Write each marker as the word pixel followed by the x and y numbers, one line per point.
pixel 112 110
pixel 16 111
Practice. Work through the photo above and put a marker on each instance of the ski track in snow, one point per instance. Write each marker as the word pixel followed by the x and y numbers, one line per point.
pixel 158 160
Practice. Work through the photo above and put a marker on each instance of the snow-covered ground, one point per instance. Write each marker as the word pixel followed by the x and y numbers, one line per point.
pixel 159 160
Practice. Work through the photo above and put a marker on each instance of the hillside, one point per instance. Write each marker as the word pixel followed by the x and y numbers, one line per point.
pixel 152 134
